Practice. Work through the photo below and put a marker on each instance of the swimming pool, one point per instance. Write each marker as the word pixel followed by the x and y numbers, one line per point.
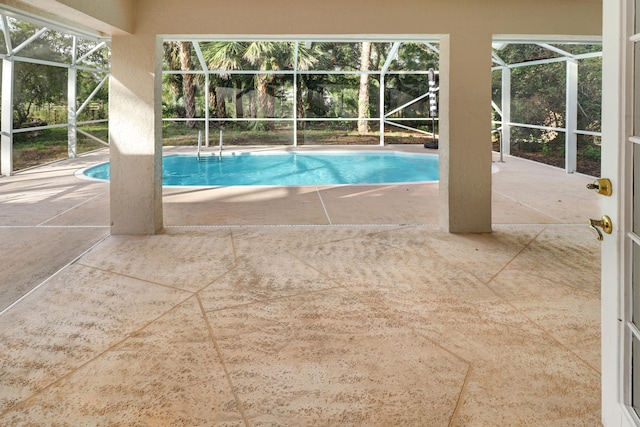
pixel 291 168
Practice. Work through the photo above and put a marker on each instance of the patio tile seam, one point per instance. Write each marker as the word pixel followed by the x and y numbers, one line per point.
pixel 386 313
pixel 213 282
pixel 402 325
pixel 391 228
pixel 140 279
pixel 232 268
pixel 312 267
pixel 390 316
pixel 45 281
pixel 463 391
pixel 544 330
pixel 558 342
pixel 274 299
pixel 22 403
pixel 445 261
pixel 324 207
pixel 74 207
pixel 234 248
pixel 222 360
pixel 487 285
pixel 556 282
pixel 513 258
pixel 519 202
pixel 508 302
pixel 471 363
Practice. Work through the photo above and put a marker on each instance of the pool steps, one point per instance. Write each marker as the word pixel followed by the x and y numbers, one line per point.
pixel 198 154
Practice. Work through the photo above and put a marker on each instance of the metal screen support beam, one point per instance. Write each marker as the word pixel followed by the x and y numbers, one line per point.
pixel 505 139
pixel 92 95
pixel 30 40
pixel 86 55
pixel 7 34
pixel 6 118
pixel 381 111
pixel 72 94
pixel 207 103
pixel 296 48
pixel 72 133
pixel 571 121
pixel 6 138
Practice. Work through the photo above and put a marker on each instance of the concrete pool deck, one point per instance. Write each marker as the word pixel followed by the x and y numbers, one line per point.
pixel 299 306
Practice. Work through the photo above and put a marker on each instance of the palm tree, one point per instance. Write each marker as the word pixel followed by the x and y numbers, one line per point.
pixel 172 59
pixel 261 54
pixel 228 56
pixel 363 95
pixel 188 82
pixel 271 56
pixel 307 58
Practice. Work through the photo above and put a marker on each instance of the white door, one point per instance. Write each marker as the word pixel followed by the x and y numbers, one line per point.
pixel 621 249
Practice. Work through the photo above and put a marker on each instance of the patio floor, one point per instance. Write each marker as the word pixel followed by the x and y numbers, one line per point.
pixel 299 306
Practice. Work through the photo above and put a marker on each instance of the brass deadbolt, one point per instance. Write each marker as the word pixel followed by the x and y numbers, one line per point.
pixel 602 186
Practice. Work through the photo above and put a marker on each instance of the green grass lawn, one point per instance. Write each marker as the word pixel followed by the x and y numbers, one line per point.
pixel 178 134
pixel 38 147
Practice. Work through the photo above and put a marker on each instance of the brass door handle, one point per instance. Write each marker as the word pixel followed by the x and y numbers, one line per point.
pixel 604 223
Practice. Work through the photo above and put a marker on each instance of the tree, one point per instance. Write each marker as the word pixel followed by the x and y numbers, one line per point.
pixel 319 89
pixel 363 95
pixel 172 59
pixel 273 56
pixel 36 85
pixel 263 55
pixel 215 99
pixel 259 88
pixel 88 80
pixel 188 82
pixel 589 91
pixel 228 56
pixel 538 97
pixel 400 89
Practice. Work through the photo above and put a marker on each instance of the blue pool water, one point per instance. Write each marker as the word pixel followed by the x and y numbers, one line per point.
pixel 318 168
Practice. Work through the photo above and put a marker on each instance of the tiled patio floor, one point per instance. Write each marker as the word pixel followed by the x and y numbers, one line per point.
pixel 300 306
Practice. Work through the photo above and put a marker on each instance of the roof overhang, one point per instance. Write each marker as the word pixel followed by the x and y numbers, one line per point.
pixel 90 19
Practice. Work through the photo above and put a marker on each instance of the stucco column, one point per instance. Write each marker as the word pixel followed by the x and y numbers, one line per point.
pixel 135 131
pixel 465 132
